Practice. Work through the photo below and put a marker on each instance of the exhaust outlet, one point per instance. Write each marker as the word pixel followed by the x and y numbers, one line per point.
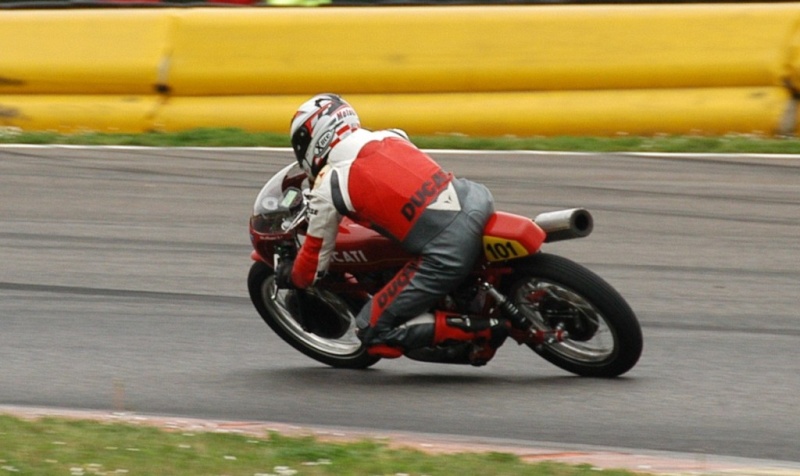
pixel 565 224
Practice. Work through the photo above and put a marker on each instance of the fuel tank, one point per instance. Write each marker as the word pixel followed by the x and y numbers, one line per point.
pixel 363 249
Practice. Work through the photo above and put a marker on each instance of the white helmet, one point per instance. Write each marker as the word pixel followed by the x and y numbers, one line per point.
pixel 318 125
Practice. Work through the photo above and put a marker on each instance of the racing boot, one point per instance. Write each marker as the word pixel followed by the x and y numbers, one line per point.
pixel 391 343
pixel 378 348
pixel 486 335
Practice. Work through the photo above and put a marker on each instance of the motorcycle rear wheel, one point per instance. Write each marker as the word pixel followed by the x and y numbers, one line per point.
pixel 604 336
pixel 326 333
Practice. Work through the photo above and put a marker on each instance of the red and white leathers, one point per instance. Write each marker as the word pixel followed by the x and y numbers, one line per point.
pixel 383 181
pixel 380 180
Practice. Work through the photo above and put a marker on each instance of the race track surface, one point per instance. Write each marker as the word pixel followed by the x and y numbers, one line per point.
pixel 123 287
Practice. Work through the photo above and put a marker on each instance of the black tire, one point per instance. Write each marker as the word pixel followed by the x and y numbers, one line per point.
pixel 606 336
pixel 317 323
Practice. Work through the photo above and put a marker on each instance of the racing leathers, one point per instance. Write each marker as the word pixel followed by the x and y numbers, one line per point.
pixel 381 180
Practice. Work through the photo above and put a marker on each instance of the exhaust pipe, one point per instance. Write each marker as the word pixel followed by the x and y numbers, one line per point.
pixel 565 224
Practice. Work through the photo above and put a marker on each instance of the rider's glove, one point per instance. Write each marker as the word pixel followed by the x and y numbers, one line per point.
pixel 283 275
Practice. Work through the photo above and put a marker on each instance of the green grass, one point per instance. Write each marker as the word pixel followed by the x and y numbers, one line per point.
pixel 240 138
pixel 53 446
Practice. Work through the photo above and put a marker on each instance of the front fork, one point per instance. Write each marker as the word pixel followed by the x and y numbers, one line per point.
pixel 523 330
pixel 284 254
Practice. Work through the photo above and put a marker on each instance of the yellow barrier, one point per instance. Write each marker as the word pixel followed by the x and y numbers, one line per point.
pixel 83 113
pixel 82 51
pixel 671 111
pixel 640 112
pixel 520 70
pixel 471 49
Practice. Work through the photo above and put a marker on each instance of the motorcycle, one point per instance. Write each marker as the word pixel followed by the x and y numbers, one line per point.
pixel 561 310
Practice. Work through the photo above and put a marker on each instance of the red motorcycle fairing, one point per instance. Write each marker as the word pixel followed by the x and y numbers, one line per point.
pixel 359 248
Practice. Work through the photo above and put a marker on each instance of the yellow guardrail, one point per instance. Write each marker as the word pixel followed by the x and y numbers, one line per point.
pixel 83 113
pixel 471 49
pixel 609 112
pixel 82 51
pixel 522 70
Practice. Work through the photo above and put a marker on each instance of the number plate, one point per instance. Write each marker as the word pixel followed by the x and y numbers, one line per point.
pixel 501 249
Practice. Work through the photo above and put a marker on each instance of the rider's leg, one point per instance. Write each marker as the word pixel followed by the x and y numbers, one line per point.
pixel 445 260
pixel 387 323
pixel 398 318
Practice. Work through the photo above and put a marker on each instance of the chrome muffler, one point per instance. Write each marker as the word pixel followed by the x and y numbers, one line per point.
pixel 565 224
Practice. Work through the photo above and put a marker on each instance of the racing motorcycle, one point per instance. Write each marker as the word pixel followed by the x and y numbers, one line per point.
pixel 561 310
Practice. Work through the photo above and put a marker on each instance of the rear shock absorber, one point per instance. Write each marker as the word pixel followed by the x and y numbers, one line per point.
pixel 530 333
pixel 509 309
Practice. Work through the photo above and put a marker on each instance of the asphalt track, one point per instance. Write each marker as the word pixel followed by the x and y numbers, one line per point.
pixel 122 288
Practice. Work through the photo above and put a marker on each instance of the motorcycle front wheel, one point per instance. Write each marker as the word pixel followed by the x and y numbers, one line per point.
pixel 315 322
pixel 604 338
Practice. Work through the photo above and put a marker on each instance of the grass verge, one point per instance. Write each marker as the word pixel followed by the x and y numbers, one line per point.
pixel 240 138
pixel 56 446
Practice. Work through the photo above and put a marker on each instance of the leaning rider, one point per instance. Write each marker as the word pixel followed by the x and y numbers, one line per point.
pixel 381 180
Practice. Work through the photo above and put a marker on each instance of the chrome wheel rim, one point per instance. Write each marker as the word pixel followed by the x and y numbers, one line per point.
pixel 536 294
pixel 276 302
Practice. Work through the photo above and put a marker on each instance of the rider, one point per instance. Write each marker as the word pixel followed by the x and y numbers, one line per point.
pixel 381 180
